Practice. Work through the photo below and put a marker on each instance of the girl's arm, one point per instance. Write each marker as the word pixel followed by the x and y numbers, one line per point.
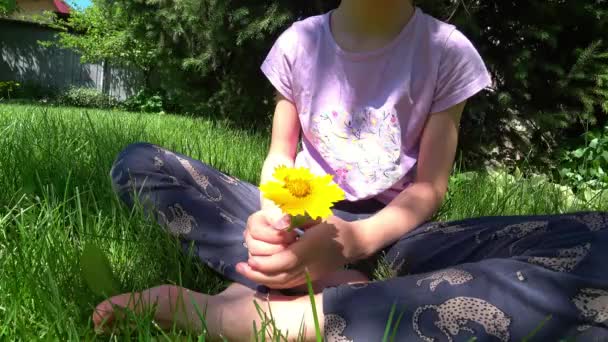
pixel 326 247
pixel 284 141
pixel 418 202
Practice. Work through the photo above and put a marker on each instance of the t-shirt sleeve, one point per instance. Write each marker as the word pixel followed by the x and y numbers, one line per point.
pixel 278 65
pixel 462 73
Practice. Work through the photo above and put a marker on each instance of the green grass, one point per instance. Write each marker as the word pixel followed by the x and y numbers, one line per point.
pixel 55 197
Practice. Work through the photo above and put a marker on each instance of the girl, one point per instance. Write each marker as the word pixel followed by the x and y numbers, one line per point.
pixel 376 89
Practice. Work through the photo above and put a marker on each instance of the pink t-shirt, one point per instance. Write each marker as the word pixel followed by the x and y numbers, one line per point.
pixel 362 114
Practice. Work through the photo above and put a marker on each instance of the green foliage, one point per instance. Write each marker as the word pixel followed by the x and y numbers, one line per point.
pixel 199 53
pixel 587 166
pixel 474 194
pixel 57 198
pixel 36 91
pixel 86 97
pixel 144 101
pixel 549 61
pixel 7 7
pixel 7 88
pixel 26 90
pixel 103 32
pixel 97 272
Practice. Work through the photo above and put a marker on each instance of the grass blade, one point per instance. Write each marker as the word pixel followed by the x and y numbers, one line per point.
pixel 537 329
pixel 387 329
pixel 311 294
pixel 394 334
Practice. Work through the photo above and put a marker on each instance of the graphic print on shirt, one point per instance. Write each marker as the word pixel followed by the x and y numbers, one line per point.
pixel 362 147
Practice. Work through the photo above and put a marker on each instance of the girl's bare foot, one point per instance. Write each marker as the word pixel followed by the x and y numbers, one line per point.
pixel 229 314
pixel 158 301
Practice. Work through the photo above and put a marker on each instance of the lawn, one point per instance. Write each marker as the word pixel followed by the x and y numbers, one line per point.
pixel 56 196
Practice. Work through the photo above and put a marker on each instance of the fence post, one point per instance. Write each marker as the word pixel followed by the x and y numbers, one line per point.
pixel 105 81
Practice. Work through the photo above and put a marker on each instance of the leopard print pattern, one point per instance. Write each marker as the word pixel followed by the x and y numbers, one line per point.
pixel 566 260
pixel 593 306
pixel 451 276
pixel 518 230
pixel 594 221
pixel 211 193
pixel 227 216
pixel 445 228
pixel 158 163
pixel 456 313
pixel 334 329
pixel 181 222
pixel 229 179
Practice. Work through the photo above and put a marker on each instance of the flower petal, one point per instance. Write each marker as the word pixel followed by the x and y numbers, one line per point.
pixel 317 204
pixel 275 192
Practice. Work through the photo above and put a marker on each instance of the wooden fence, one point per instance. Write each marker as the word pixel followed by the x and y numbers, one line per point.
pixel 23 59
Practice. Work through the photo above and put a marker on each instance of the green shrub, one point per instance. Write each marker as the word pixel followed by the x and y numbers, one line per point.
pixel 86 97
pixel 144 101
pixel 8 88
pixel 26 91
pixel 30 90
pixel 587 166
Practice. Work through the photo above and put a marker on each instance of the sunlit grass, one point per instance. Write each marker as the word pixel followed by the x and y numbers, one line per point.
pixel 55 197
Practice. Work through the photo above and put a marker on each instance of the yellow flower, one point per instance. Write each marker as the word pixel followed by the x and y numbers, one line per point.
pixel 298 192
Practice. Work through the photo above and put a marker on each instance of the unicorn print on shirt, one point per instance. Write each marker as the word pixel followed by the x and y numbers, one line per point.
pixel 362 146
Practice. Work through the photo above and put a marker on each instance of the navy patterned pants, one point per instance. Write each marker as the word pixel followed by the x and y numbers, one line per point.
pixel 492 278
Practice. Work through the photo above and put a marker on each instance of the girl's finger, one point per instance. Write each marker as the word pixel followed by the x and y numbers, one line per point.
pixel 281 262
pixel 283 280
pixel 261 248
pixel 261 230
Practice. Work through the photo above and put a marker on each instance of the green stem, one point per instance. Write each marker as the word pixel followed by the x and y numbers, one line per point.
pixel 311 294
pixel 297 221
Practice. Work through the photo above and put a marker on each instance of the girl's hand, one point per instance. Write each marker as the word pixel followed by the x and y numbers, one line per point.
pixel 323 249
pixel 265 233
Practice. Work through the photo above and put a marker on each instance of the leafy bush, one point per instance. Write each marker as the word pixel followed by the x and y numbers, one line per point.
pixel 587 166
pixel 470 192
pixel 8 88
pixel 549 61
pixel 31 90
pixel 26 90
pixel 144 101
pixel 86 97
pixel 7 7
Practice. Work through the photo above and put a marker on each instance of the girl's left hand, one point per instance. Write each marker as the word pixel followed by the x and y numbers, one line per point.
pixel 323 249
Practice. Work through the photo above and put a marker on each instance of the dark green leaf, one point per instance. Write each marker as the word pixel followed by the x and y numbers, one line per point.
pixel 593 143
pixel 97 272
pixel 579 152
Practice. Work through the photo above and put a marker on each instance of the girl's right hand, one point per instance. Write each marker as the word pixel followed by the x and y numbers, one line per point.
pixel 266 233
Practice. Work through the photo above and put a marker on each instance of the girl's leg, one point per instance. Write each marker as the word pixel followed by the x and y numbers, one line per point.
pixel 555 281
pixel 497 279
pixel 230 314
pixel 207 209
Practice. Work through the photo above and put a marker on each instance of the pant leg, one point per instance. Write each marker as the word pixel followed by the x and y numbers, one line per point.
pixel 496 279
pixel 207 209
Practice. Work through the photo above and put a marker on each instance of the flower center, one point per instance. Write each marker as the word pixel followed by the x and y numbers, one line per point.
pixel 297 187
